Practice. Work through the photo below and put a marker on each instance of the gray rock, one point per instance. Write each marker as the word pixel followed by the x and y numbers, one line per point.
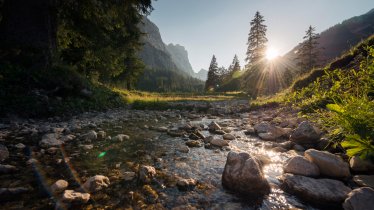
pixel 101 135
pixel 12 192
pixel 219 142
pixel 50 140
pixel 194 143
pixel 87 146
pixel 208 139
pixel 128 175
pixel 70 196
pixel 299 148
pixel 268 132
pixel 328 164
pixel 4 153
pixel 20 146
pixel 299 165
pixel 243 175
pixel 96 183
pixel 359 165
pixel 146 173
pixel 59 186
pixel 364 180
pixel 317 191
pixel 228 136
pixel 186 184
pixel 305 134
pixel 6 169
pixel 161 129
pixel 219 132
pixel 121 137
pixel 183 149
pixel 360 199
pixel 214 126
pixel 90 136
pixel 69 137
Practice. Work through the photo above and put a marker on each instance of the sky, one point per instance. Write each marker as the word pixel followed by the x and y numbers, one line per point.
pixel 221 27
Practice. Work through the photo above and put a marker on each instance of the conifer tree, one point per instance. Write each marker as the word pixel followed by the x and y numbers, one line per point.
pixel 213 75
pixel 256 40
pixel 307 55
pixel 235 65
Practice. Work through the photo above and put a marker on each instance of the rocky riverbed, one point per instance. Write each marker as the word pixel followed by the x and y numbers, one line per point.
pixel 220 155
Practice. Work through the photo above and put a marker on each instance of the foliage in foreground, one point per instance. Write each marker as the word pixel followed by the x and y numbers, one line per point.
pixel 343 101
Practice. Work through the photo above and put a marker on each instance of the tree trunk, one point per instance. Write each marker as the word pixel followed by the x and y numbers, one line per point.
pixel 28 32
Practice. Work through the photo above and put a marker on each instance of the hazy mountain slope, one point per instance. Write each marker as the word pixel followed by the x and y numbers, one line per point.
pixel 180 57
pixel 202 74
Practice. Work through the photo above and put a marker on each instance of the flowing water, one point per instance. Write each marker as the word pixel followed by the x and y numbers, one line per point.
pixel 149 147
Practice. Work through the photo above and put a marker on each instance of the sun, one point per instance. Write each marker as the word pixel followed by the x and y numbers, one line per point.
pixel 271 53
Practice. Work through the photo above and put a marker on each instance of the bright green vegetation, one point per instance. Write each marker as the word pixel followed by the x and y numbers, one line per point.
pixel 340 98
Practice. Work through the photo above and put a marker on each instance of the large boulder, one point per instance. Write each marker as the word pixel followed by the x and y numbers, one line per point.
pixel 359 165
pixel 305 134
pixel 50 140
pixel 243 175
pixel 360 199
pixel 329 164
pixel 96 183
pixel 326 192
pixel 269 132
pixel 299 165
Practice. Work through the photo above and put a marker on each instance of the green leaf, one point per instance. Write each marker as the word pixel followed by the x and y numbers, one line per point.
pixel 335 108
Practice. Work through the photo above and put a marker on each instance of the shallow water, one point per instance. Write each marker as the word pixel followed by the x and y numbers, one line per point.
pixel 158 149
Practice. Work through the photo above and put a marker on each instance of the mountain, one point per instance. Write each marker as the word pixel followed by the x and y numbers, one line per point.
pixel 167 66
pixel 341 37
pixel 180 57
pixel 202 74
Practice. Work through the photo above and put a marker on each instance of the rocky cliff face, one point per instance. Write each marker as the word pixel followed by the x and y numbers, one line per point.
pixel 180 57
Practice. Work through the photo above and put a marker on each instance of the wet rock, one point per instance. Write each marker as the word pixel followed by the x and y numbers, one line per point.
pixel 183 149
pixel 299 165
pixel 12 193
pixel 146 173
pixel 219 142
pixel 101 135
pixel 128 175
pixel 299 148
pixel 364 180
pixel 194 136
pixel 177 133
pixel 96 183
pixel 193 143
pixel 186 184
pixel 359 165
pixel 214 126
pixel 4 153
pixel 161 129
pixel 32 161
pixel 279 149
pixel 360 199
pixel 208 139
pixel 228 136
pixel 6 169
pixel 69 137
pixel 87 146
pixel 59 186
pixel 20 146
pixel 263 159
pixel 219 132
pixel 325 192
pixel 90 136
pixel 249 131
pixel 287 145
pixel 200 134
pixel 328 164
pixel 268 132
pixel 305 134
pixel 70 196
pixel 243 175
pixel 50 140
pixel 121 137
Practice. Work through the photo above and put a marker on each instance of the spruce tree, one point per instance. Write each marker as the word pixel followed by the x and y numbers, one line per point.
pixel 213 75
pixel 307 55
pixel 235 65
pixel 256 40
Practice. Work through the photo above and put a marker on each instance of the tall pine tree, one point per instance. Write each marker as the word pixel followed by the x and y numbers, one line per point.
pixel 213 75
pixel 256 40
pixel 235 65
pixel 307 55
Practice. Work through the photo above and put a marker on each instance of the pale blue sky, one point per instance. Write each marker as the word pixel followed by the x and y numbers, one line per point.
pixel 220 27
